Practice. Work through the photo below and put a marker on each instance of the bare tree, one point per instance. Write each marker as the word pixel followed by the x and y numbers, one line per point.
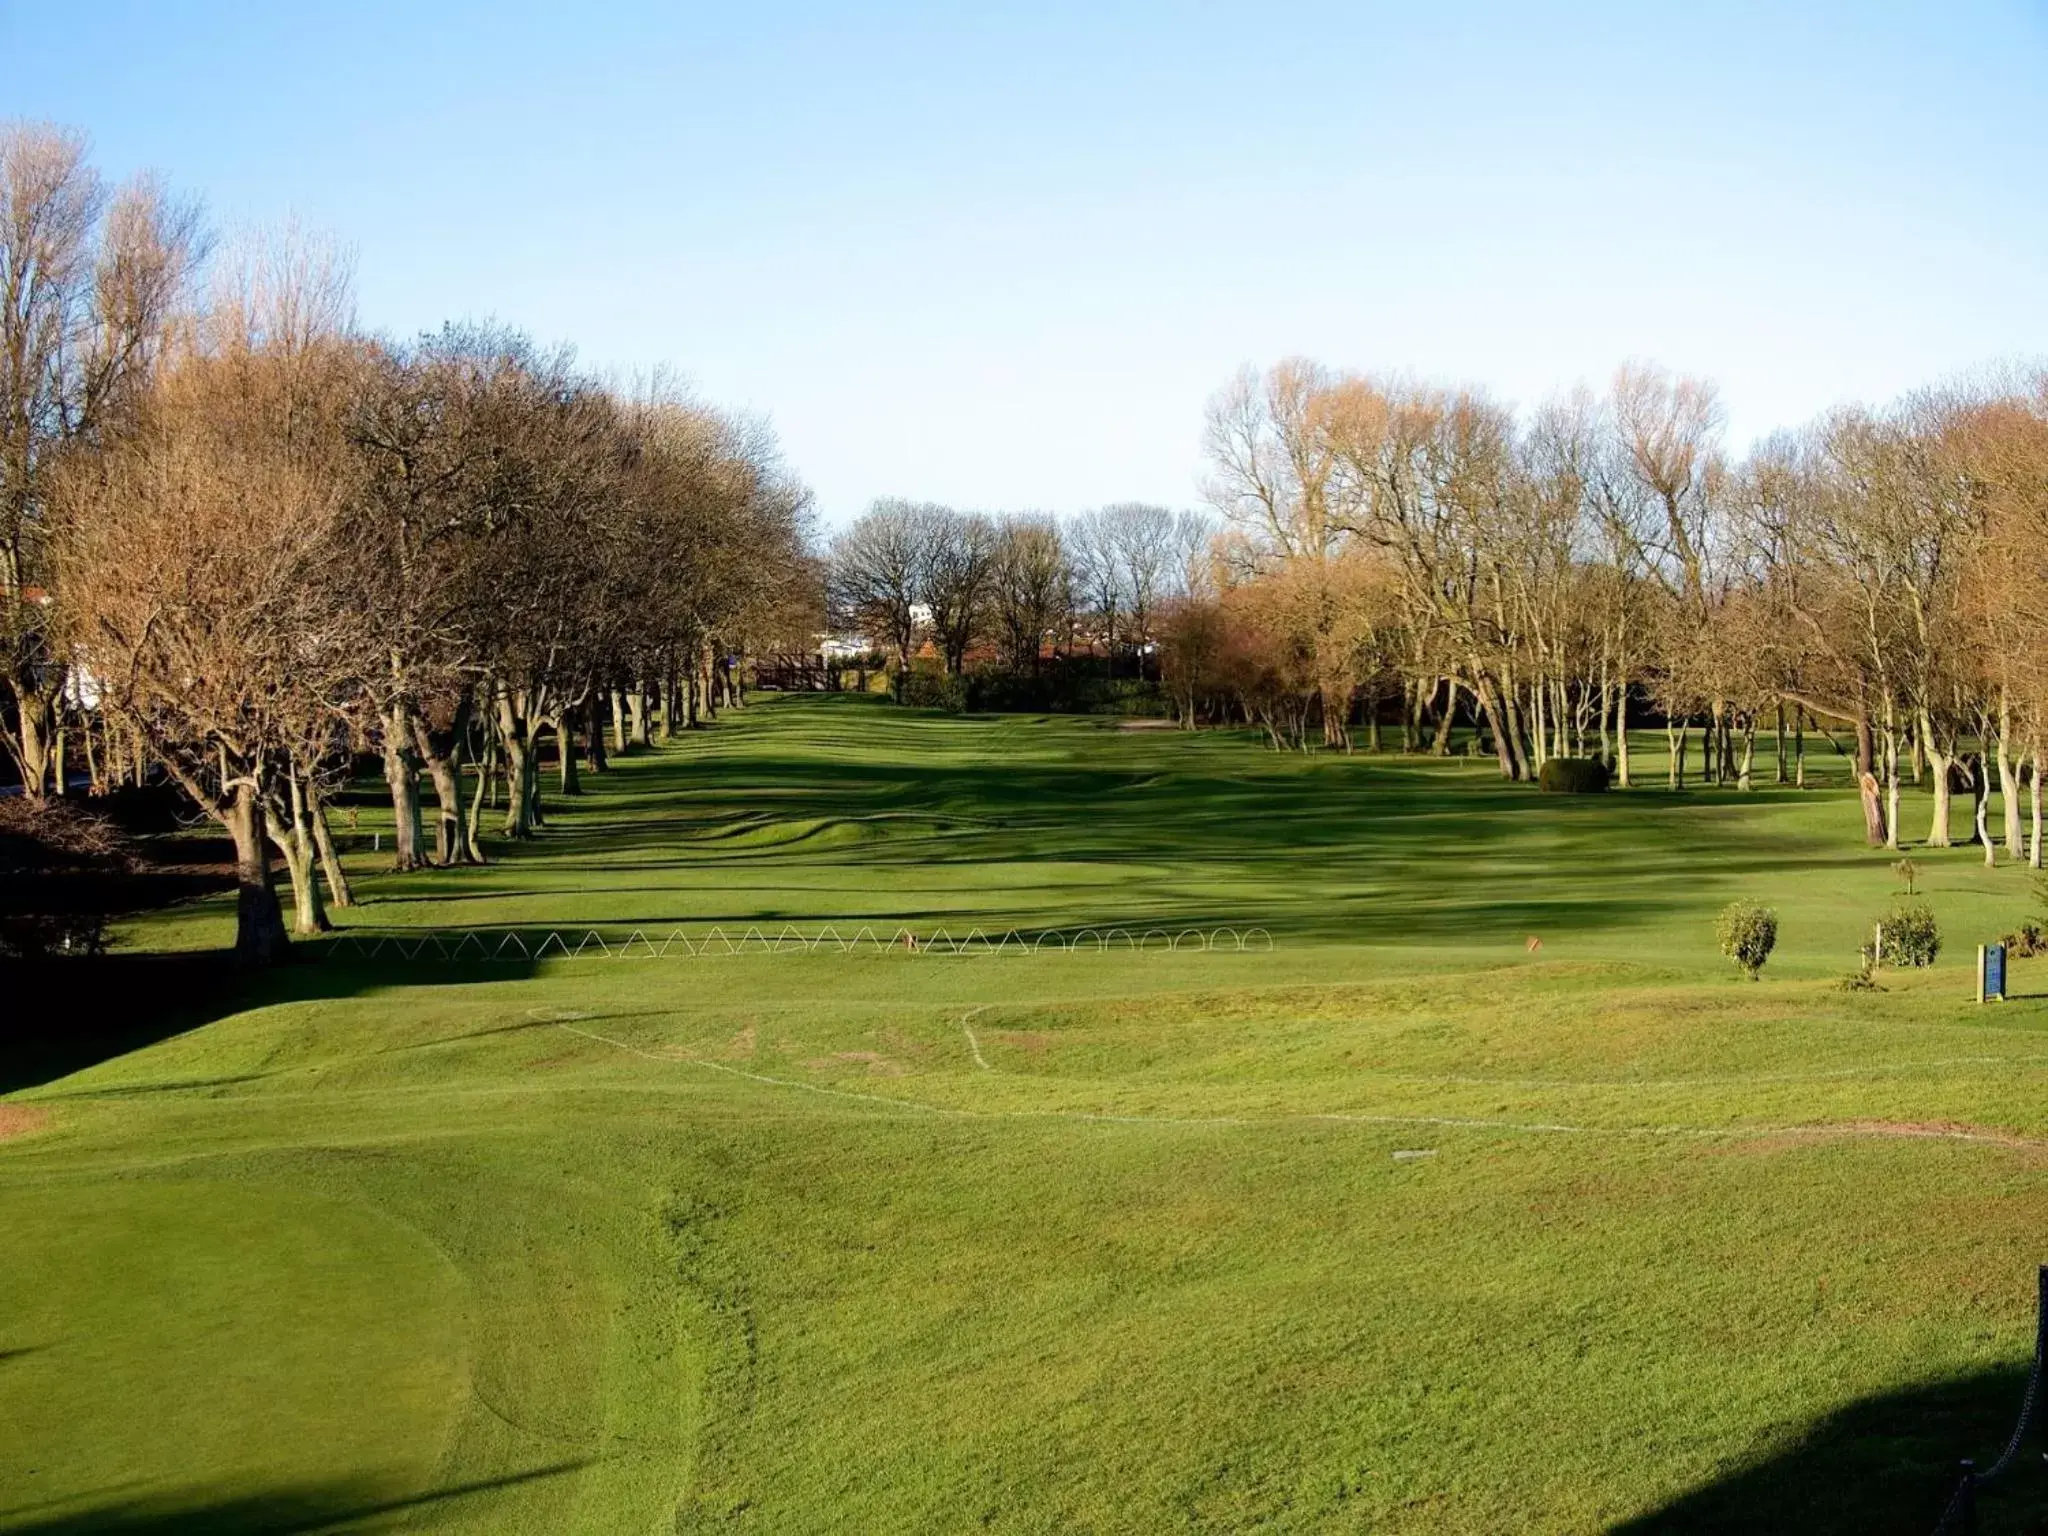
pixel 1100 585
pixel 877 578
pixel 959 562
pixel 194 551
pixel 90 281
pixel 1032 587
pixel 1143 537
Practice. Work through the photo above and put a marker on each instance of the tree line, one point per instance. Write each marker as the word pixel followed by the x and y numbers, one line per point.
pixel 242 541
pixel 1404 546
pixel 1020 588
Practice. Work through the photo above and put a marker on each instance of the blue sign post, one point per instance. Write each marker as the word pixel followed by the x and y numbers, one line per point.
pixel 1990 973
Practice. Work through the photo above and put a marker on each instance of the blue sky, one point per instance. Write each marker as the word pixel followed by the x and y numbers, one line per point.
pixel 1000 255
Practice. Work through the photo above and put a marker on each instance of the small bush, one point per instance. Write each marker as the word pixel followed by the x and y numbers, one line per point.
pixel 1910 936
pixel 1574 776
pixel 1858 980
pixel 1748 935
pixel 2026 941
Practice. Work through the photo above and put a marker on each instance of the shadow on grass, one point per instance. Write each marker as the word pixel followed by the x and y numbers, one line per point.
pixel 298 1510
pixel 62 1016
pixel 1317 848
pixel 846 812
pixel 1884 1465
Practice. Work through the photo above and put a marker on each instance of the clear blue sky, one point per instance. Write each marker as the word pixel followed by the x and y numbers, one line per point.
pixel 1001 254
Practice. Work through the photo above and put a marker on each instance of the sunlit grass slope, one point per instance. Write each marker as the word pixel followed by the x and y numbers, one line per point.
pixel 1401 1227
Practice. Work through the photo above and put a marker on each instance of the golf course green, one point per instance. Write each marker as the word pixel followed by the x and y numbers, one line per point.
pixel 1490 1198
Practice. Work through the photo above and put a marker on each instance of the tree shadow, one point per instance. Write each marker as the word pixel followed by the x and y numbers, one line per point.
pixel 1318 848
pixel 65 1015
pixel 1882 1465
pixel 826 811
pixel 357 1504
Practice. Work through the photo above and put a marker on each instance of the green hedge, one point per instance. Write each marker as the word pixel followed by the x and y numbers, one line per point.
pixel 1573 776
pixel 935 690
pixel 1067 686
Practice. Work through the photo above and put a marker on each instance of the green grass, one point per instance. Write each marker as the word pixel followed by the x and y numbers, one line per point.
pixel 1103 1242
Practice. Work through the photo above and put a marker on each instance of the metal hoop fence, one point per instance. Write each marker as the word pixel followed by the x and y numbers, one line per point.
pixel 517 945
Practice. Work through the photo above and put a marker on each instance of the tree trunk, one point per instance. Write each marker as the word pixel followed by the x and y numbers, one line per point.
pixel 1747 762
pixel 535 816
pixel 301 862
pixel 1518 736
pixel 593 731
pixel 2009 781
pixel 34 738
pixel 473 847
pixel 1980 808
pixel 402 774
pixel 1891 777
pixel 1606 712
pixel 1873 809
pixel 519 777
pixel 518 769
pixel 1939 764
pixel 1334 702
pixel 259 924
pixel 636 707
pixel 450 846
pixel 565 748
pixel 618 722
pixel 339 892
pixel 1799 746
pixel 1674 742
pixel 2034 797
pixel 95 767
pixel 1782 776
pixel 1488 692
pixel 1446 722
pixel 1621 732
pixel 445 769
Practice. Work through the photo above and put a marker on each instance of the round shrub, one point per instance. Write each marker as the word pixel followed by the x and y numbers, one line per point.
pixel 1748 935
pixel 1909 935
pixel 1573 776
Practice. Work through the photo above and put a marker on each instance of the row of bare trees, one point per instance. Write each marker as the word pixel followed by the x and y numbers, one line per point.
pixel 245 541
pixel 1018 585
pixel 1878 570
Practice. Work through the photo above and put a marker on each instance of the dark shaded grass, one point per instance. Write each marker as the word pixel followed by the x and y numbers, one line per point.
pixel 360 1504
pixel 1882 1466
